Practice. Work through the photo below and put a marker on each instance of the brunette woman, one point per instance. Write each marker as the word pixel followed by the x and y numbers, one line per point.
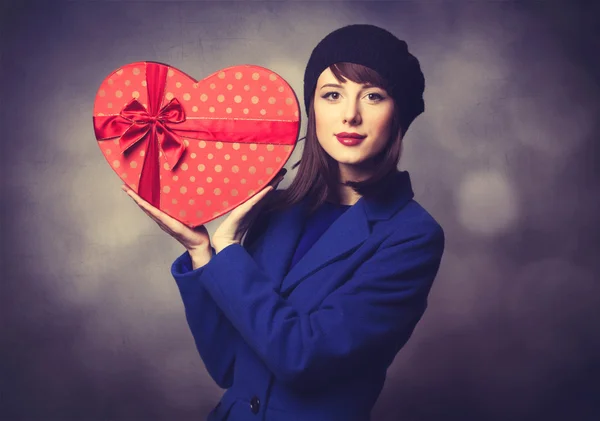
pixel 302 298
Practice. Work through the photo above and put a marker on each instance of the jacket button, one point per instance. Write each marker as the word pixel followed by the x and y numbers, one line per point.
pixel 254 405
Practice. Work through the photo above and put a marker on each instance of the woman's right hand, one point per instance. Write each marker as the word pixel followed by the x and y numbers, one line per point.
pixel 195 240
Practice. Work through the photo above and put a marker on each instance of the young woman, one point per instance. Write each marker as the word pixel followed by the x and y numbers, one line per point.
pixel 302 321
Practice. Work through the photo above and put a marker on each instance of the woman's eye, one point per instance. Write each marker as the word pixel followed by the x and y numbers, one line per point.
pixel 374 97
pixel 332 95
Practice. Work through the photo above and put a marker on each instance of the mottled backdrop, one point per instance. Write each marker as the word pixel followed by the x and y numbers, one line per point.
pixel 505 157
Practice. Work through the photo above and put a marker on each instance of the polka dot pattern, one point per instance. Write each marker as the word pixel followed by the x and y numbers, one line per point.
pixel 212 177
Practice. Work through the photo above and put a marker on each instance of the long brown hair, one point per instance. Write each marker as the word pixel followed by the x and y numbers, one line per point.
pixel 318 175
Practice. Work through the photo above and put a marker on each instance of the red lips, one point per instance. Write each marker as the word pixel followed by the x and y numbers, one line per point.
pixel 349 139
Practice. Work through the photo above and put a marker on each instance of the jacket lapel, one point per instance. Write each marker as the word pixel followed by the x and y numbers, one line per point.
pixel 281 237
pixel 346 234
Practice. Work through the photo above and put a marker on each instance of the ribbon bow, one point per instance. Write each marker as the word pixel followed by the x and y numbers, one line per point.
pixel 135 123
pixel 143 123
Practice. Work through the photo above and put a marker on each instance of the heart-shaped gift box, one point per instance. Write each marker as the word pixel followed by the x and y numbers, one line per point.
pixel 195 149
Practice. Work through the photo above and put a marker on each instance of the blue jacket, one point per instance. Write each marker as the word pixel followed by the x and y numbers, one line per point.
pixel 315 343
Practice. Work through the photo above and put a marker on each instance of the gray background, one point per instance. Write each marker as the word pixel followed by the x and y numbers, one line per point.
pixel 505 157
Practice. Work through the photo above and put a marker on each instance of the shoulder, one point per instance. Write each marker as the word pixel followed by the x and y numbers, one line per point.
pixel 414 222
pixel 413 212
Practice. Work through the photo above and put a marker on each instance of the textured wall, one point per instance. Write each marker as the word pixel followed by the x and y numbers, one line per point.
pixel 504 157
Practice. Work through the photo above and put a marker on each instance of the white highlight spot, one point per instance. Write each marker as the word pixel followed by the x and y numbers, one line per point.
pixel 487 203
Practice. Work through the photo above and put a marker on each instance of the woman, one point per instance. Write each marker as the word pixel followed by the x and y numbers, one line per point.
pixel 302 321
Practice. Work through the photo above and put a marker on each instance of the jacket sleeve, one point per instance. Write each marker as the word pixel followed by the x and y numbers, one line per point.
pixel 363 323
pixel 213 333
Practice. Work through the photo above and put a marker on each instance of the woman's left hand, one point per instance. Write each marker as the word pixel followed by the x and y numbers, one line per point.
pixel 227 233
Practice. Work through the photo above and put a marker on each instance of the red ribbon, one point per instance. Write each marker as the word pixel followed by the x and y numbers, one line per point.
pixel 162 127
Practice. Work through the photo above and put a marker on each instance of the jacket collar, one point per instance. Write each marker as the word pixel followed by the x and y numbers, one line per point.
pixel 400 193
pixel 346 234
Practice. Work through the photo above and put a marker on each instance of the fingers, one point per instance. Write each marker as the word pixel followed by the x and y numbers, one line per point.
pixel 278 178
pixel 166 222
pixel 245 207
pixel 257 197
pixel 254 200
pixel 174 227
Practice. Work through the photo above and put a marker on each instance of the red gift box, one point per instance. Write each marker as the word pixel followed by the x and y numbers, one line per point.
pixel 195 149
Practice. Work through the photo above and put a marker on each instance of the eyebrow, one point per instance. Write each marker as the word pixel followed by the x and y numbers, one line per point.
pixel 331 85
pixel 334 85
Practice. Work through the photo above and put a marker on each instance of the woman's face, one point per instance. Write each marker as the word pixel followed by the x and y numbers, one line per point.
pixel 349 109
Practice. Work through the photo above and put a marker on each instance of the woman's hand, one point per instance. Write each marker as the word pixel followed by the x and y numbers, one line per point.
pixel 228 232
pixel 191 238
pixel 196 240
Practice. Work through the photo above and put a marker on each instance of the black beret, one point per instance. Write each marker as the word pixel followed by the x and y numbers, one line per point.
pixel 378 49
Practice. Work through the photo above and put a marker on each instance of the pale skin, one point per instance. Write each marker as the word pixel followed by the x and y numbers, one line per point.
pixel 339 107
pixel 352 108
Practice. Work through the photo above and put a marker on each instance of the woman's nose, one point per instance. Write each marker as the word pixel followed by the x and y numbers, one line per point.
pixel 351 113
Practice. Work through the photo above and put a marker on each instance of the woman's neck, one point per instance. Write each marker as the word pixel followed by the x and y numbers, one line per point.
pixel 346 194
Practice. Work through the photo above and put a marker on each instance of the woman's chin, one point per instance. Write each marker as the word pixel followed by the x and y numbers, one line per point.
pixel 357 163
